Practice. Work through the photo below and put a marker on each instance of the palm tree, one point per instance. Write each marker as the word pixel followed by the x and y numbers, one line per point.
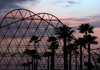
pixel 29 64
pixel 47 54
pixel 34 39
pixel 90 40
pixel 26 52
pixel 87 29
pixel 31 53
pixel 24 65
pixel 76 53
pixel 53 45
pixel 37 57
pixel 71 47
pixel 64 33
pixel 80 42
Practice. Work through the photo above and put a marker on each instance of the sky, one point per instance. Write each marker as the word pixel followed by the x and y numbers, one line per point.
pixel 71 12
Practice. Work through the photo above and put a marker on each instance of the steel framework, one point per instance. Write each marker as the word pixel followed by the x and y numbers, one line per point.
pixel 16 29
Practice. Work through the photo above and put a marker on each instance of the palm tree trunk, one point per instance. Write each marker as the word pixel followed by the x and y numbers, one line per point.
pixel 52 60
pixel 86 33
pixel 29 67
pixel 65 55
pixel 32 63
pixel 28 63
pixel 48 62
pixel 80 57
pixel 24 67
pixel 76 62
pixel 36 64
pixel 89 60
pixel 70 61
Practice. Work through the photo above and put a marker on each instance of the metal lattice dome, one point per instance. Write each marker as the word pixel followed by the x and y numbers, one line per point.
pixel 18 26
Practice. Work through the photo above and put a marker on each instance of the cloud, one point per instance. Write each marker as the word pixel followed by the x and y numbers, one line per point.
pixel 64 3
pixel 83 19
pixel 75 19
pixel 94 16
pixel 8 4
pixel 71 3
pixel 93 20
pixel 67 6
pixel 95 23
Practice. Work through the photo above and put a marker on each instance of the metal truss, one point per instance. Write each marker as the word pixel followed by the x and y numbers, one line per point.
pixel 16 29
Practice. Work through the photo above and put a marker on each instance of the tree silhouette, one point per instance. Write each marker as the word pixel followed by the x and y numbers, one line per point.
pixel 87 29
pixel 35 39
pixel 47 54
pixel 26 52
pixel 76 53
pixel 37 57
pixel 53 45
pixel 31 53
pixel 25 65
pixel 64 33
pixel 71 47
pixel 90 40
pixel 80 42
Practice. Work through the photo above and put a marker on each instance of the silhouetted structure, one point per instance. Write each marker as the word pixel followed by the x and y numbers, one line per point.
pixel 47 54
pixel 65 33
pixel 19 27
pixel 53 46
pixel 88 39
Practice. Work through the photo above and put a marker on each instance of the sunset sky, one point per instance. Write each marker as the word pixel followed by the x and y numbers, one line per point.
pixel 70 12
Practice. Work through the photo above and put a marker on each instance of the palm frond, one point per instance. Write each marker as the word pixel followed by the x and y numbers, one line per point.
pixel 84 28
